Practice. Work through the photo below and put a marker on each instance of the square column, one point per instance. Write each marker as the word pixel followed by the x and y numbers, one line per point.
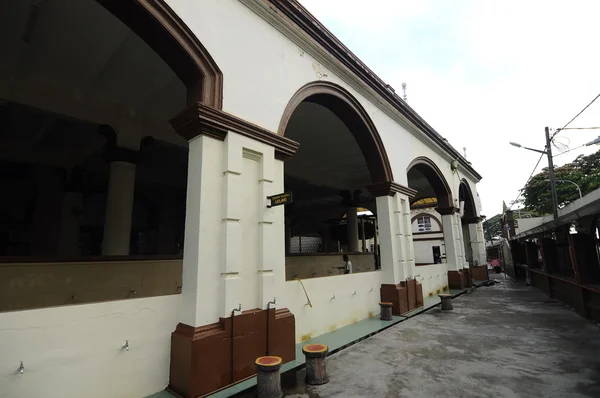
pixel 234 253
pixel 452 238
pixel 202 242
pixel 395 233
pixel 477 243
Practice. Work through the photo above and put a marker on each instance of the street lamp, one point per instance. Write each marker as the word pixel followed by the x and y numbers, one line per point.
pixel 595 142
pixel 548 152
pixel 524 147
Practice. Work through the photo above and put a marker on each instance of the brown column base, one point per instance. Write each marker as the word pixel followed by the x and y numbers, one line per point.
pixel 395 294
pixel 468 277
pixel 480 273
pixel 405 296
pixel 456 280
pixel 205 359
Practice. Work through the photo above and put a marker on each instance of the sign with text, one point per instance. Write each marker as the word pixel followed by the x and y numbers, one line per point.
pixel 280 199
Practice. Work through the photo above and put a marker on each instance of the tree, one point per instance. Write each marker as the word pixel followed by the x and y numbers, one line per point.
pixel 492 227
pixel 584 171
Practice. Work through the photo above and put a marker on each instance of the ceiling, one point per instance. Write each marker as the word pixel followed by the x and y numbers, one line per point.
pixel 82 56
pixel 328 155
pixel 418 181
pixel 328 162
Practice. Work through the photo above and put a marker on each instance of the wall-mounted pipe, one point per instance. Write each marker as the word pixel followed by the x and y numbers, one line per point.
pixel 274 302
pixel 238 309
pixel 306 294
pixel 126 345
pixel 21 368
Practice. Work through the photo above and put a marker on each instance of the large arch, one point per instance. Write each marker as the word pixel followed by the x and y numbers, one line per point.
pixel 428 169
pixel 162 29
pixel 350 111
pixel 466 195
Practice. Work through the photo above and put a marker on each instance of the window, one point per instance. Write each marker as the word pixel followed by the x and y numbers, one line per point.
pixel 424 224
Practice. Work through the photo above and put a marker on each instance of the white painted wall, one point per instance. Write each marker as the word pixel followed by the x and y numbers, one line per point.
pixel 230 30
pixel 76 351
pixel 326 314
pixel 433 277
pixel 424 251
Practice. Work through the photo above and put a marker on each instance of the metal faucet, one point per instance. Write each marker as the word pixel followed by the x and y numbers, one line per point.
pixel 126 345
pixel 274 302
pixel 21 368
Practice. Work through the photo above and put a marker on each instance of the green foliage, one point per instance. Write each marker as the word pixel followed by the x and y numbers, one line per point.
pixel 583 171
pixel 492 227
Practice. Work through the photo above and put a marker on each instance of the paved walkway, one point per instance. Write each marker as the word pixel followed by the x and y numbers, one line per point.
pixel 507 340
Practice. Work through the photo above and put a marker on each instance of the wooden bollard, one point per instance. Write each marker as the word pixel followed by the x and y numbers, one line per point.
pixel 446 302
pixel 268 379
pixel 386 311
pixel 316 368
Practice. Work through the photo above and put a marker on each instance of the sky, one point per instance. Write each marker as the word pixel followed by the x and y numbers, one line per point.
pixel 484 73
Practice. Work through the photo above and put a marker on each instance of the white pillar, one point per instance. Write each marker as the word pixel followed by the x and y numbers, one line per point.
pixel 395 238
pixel 352 229
pixel 453 241
pixel 119 209
pixel 202 250
pixel 477 243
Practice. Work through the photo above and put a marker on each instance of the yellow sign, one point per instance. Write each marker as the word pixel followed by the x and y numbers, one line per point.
pixel 280 199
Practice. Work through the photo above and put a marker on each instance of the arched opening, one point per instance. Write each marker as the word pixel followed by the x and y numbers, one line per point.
pixel 469 220
pixel 94 169
pixel 433 198
pixel 340 155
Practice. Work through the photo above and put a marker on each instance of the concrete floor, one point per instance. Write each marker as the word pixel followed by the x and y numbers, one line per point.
pixel 506 340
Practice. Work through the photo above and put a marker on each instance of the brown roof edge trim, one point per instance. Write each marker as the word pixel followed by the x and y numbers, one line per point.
pixel 307 22
pixel 200 119
pixel 389 188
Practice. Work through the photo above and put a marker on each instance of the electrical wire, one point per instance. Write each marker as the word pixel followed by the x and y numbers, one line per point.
pixel 551 141
pixel 575 117
pixel 572 149
pixel 529 178
pixel 581 128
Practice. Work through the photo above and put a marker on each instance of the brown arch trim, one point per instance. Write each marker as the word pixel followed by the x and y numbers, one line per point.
pixel 435 177
pixel 465 193
pixel 438 222
pixel 162 29
pixel 353 115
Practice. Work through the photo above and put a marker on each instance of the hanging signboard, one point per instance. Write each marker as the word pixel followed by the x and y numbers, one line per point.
pixel 280 199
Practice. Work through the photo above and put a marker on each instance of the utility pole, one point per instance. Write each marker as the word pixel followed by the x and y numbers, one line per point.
pixel 551 173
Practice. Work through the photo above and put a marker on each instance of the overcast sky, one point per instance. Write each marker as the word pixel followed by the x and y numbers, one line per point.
pixel 484 73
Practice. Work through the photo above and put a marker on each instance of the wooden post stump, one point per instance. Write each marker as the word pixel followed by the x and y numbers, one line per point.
pixel 446 302
pixel 316 369
pixel 268 379
pixel 386 311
